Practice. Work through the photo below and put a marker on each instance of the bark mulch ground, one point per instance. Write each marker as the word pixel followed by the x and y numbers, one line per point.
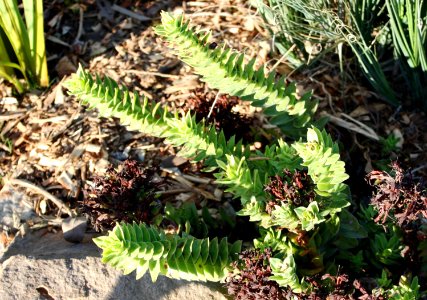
pixel 51 147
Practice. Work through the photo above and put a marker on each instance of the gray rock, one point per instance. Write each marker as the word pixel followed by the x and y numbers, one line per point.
pixel 44 266
pixel 14 207
pixel 74 229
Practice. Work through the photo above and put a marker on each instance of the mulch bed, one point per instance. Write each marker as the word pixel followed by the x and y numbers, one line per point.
pixel 51 147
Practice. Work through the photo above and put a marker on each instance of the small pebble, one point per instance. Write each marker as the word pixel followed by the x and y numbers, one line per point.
pixel 74 229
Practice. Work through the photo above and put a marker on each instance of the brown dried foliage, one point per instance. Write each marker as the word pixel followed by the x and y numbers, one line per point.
pixel 337 287
pixel 403 202
pixel 330 287
pixel 397 197
pixel 296 188
pixel 222 117
pixel 127 195
pixel 252 282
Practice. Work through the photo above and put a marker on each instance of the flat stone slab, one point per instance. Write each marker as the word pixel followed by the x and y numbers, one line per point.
pixel 43 265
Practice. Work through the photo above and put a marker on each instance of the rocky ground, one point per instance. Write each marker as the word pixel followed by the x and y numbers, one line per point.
pixel 42 265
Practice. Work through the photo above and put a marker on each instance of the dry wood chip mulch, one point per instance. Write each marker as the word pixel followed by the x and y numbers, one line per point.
pixel 50 146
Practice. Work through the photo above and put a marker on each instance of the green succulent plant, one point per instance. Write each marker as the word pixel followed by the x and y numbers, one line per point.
pixel 224 69
pixel 305 238
pixel 130 247
pixel 231 160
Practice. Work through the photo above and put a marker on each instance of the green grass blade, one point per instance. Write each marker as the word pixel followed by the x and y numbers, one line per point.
pixel 12 79
pixel 365 55
pixel 33 11
pixel 7 68
pixel 4 59
pixel 398 32
pixel 16 32
pixel 9 64
pixel 409 31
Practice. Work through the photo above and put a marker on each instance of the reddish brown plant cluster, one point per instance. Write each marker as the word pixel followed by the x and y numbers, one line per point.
pixel 252 282
pixel 397 197
pixel 296 188
pixel 222 116
pixel 126 195
pixel 337 287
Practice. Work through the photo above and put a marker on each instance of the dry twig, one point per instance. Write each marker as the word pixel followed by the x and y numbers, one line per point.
pixel 23 183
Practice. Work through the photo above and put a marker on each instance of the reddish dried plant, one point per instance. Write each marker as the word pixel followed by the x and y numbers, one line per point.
pixel 397 197
pixel 296 188
pixel 126 195
pixel 252 280
pixel 222 116
pixel 329 287
pixel 336 287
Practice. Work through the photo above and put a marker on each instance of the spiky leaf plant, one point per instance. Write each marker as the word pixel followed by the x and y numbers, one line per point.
pixel 141 248
pixel 225 70
pixel 300 233
pixel 198 141
pixel 245 174
pixel 246 179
